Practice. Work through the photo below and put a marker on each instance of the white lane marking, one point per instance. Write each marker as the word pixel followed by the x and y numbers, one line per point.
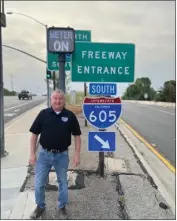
pixel 9 114
pixel 22 116
pixel 159 110
pixel 17 106
pixel 17 110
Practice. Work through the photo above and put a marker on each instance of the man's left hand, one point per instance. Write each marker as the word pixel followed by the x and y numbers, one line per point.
pixel 76 159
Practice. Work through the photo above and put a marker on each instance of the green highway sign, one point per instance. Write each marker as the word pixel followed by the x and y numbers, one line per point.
pixel 103 62
pixel 52 58
pixel 53 63
pixel 82 35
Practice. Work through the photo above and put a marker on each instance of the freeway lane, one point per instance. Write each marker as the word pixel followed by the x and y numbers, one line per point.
pixel 156 124
pixel 14 107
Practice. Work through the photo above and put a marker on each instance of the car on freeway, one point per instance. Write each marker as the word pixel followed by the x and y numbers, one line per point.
pixel 24 94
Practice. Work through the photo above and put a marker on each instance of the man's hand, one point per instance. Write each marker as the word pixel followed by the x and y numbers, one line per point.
pixel 76 159
pixel 32 159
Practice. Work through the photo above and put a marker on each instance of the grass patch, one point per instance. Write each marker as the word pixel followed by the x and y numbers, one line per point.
pixel 79 97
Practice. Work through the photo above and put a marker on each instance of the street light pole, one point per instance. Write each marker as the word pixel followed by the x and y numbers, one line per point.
pixel 2 24
pixel 25 15
pixel 1 99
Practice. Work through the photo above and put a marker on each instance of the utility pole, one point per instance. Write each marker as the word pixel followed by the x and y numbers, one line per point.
pixel 2 24
pixel 12 86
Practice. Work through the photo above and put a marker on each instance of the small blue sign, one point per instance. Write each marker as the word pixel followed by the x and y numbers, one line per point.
pixel 102 89
pixel 102 112
pixel 102 141
pixel 68 56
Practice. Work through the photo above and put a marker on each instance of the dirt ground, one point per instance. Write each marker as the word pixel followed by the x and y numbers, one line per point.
pixel 75 109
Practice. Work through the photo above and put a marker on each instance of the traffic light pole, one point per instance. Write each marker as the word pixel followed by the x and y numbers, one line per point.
pixel 48 93
pixel 47 80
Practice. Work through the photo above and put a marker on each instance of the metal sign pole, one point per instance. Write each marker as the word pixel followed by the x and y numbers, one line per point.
pixel 62 60
pixel 101 160
pixel 85 94
pixel 54 80
pixel 2 24
pixel 1 99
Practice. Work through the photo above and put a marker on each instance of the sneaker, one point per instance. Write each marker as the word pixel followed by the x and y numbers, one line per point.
pixel 37 213
pixel 63 213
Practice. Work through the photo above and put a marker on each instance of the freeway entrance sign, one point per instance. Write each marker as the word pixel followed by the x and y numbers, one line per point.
pixel 101 141
pixel 102 112
pixel 103 62
pixel 52 58
pixel 102 89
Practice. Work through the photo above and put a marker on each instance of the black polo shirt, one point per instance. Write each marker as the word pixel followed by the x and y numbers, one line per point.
pixel 55 129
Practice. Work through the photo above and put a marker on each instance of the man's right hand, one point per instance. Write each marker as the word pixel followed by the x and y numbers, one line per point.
pixel 32 159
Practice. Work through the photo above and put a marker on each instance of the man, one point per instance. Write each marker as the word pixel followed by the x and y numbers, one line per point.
pixel 55 126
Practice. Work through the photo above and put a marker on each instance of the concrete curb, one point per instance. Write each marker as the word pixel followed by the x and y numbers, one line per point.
pixel 161 188
pixel 162 104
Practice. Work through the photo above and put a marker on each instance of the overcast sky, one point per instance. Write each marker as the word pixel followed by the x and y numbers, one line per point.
pixel 149 25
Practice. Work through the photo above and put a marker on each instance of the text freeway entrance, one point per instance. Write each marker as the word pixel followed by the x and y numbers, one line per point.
pixel 103 62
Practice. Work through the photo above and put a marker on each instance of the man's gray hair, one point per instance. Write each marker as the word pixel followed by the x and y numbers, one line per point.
pixel 58 91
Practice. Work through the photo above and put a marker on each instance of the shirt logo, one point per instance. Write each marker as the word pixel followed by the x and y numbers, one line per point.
pixel 64 119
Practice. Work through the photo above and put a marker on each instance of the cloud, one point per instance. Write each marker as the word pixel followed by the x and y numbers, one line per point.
pixel 150 25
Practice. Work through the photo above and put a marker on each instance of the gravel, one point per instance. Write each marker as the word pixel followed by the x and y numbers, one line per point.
pixel 100 197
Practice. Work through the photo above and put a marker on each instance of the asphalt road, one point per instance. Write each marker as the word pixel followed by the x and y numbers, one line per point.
pixel 156 124
pixel 13 107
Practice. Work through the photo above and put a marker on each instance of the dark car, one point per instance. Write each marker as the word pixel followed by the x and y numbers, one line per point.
pixel 25 95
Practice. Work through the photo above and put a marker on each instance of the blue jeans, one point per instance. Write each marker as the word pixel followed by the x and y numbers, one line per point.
pixel 45 161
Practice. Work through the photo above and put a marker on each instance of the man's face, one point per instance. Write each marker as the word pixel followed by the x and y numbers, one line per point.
pixel 57 101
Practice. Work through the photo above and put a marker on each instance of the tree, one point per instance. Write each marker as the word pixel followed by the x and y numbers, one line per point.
pixel 137 90
pixel 9 93
pixel 169 91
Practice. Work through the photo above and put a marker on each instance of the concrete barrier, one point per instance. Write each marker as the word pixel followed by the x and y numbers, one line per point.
pixel 157 103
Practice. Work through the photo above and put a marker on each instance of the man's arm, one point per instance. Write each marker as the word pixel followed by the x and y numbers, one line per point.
pixel 76 159
pixel 76 132
pixel 33 144
pixel 77 144
pixel 35 130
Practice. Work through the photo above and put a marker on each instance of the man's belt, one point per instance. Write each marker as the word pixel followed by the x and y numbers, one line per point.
pixel 54 150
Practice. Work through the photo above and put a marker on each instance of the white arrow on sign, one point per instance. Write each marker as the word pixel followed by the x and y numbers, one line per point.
pixel 105 144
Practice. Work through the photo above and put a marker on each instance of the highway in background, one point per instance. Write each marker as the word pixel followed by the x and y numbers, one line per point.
pixel 155 124
pixel 13 107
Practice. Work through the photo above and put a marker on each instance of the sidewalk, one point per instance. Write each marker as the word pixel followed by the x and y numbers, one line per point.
pixel 125 192
pixel 15 165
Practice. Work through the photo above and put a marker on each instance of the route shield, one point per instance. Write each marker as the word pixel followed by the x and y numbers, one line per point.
pixel 102 112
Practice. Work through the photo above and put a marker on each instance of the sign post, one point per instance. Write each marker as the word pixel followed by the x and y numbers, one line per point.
pixel 102 112
pixel 62 42
pixel 102 64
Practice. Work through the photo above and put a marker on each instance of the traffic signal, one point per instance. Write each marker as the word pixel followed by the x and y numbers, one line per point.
pixel 49 74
